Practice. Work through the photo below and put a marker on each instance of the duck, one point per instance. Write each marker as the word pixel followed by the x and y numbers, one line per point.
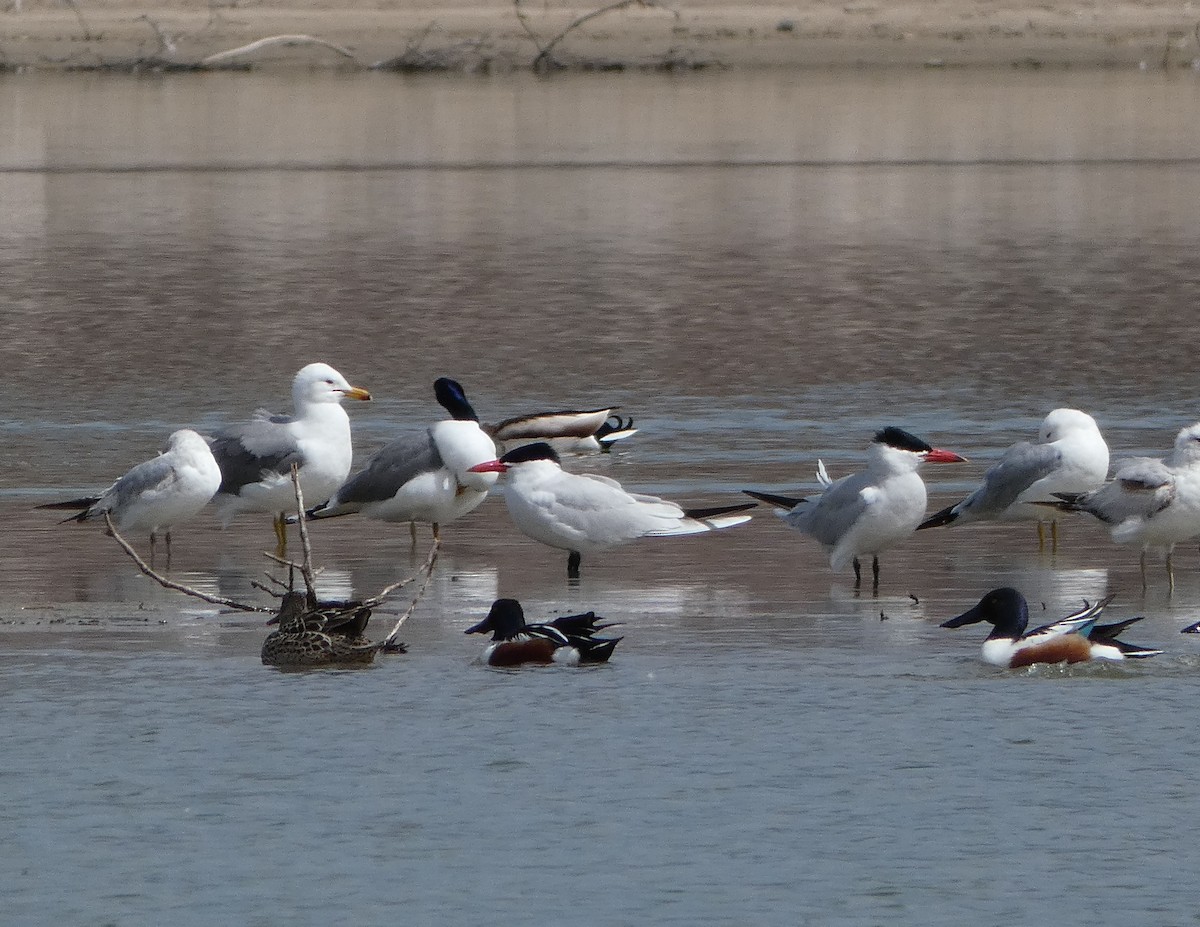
pixel 156 494
pixel 1077 638
pixel 569 640
pixel 1070 455
pixel 326 634
pixel 583 513
pixel 868 512
pixel 567 431
pixel 1154 502
pixel 256 457
pixel 425 476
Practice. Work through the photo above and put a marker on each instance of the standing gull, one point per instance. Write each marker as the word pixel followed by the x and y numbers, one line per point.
pixel 1069 456
pixel 1149 501
pixel 256 457
pixel 424 476
pixel 158 493
pixel 582 512
pixel 868 512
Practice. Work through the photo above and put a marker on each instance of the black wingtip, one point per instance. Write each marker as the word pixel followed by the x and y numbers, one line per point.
pixel 718 510
pixel 782 502
pixel 939 519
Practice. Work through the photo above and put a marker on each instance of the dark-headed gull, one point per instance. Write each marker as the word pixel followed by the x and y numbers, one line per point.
pixel 582 513
pixel 157 493
pixel 1069 456
pixel 256 457
pixel 868 512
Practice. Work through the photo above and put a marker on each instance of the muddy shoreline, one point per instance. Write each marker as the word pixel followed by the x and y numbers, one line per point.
pixel 501 36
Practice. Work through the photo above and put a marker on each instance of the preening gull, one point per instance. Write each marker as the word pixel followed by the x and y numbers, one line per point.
pixel 1070 456
pixel 868 512
pixel 582 512
pixel 256 457
pixel 158 493
pixel 424 476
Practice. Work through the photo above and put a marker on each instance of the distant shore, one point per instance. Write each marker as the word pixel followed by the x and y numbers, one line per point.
pixel 489 35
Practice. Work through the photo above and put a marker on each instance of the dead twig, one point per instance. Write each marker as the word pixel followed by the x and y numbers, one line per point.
pixel 88 35
pixel 306 568
pixel 427 569
pixel 544 60
pixel 171 584
pixel 286 40
pixel 165 43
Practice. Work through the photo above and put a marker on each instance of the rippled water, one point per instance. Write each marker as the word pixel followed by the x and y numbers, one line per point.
pixel 762 270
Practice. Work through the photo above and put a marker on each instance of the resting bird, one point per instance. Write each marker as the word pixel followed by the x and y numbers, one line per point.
pixel 158 493
pixel 424 476
pixel 583 513
pixel 1149 501
pixel 565 431
pixel 329 634
pixel 868 512
pixel 1070 456
pixel 1074 639
pixel 256 457
pixel 571 639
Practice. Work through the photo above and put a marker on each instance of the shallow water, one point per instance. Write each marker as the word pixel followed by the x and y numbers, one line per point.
pixel 762 269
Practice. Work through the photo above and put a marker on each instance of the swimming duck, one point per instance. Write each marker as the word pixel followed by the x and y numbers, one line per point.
pixel 330 634
pixel 1073 639
pixel 566 430
pixel 569 640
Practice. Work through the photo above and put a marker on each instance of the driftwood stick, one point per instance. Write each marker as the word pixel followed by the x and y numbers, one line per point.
pixel 306 568
pixel 544 58
pixel 427 569
pixel 171 584
pixel 286 40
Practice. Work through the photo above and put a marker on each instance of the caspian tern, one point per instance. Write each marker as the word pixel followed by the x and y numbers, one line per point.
pixel 424 476
pixel 158 493
pixel 582 512
pixel 256 457
pixel 1073 639
pixel 570 640
pixel 1149 501
pixel 565 431
pixel 1070 455
pixel 868 512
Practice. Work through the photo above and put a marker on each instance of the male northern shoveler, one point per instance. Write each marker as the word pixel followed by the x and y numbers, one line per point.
pixel 582 512
pixel 328 635
pixel 570 639
pixel 1070 455
pixel 1073 639
pixel 867 512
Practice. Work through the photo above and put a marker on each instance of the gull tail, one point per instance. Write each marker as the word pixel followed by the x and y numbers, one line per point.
pixel 781 502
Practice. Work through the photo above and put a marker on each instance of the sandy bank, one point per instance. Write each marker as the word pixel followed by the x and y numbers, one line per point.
pixel 423 34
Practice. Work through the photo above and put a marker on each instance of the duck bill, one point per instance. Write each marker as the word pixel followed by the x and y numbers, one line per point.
pixel 968 617
pixel 937 455
pixel 357 392
pixel 481 628
pixel 490 466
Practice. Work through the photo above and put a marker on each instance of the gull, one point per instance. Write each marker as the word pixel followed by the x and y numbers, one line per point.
pixel 158 493
pixel 565 431
pixel 1070 456
pixel 424 476
pixel 583 513
pixel 256 457
pixel 1076 638
pixel 1149 501
pixel 868 512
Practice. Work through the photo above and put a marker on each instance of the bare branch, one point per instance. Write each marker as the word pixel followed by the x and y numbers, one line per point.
pixel 165 42
pixel 171 584
pixel 427 569
pixel 88 35
pixel 285 40
pixel 306 568
pixel 545 56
